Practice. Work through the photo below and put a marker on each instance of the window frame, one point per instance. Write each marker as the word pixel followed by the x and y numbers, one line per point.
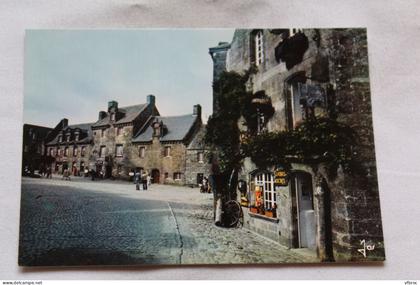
pixel 142 151
pixel 167 151
pixel 269 195
pixel 177 176
pixel 102 151
pixel 119 150
pixel 259 47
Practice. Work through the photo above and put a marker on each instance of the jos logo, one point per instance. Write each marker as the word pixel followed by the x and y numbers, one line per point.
pixel 365 247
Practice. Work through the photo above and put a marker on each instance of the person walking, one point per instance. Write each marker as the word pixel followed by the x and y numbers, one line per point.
pixel 49 172
pixel 137 179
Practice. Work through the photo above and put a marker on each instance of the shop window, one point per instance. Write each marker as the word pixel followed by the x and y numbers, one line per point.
pixel 119 150
pixel 142 151
pixel 264 183
pixel 200 157
pixel 167 151
pixel 177 176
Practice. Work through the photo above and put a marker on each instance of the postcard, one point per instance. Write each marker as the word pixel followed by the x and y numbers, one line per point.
pixel 198 146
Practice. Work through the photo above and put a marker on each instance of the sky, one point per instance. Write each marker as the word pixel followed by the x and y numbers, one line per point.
pixel 73 74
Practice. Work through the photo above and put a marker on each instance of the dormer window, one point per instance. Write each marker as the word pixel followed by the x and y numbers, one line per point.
pixel 68 137
pixel 60 138
pixel 76 137
pixel 113 117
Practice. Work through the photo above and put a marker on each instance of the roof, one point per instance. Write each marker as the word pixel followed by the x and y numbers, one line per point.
pixel 130 113
pixel 177 128
pixel 85 127
pixel 198 140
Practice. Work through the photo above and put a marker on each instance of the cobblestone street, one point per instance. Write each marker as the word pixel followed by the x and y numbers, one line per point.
pixel 107 222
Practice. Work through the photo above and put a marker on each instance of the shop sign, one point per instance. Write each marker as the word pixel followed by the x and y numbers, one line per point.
pixel 280 177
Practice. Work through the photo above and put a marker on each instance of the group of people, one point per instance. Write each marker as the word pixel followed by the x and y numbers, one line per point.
pixel 144 180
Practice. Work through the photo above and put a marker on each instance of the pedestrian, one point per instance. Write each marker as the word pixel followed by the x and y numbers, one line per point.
pixel 92 174
pixel 137 179
pixel 49 172
pixel 66 174
pixel 149 180
pixel 144 181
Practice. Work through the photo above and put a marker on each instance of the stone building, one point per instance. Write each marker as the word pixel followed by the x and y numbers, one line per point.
pixel 113 134
pixel 70 147
pixel 305 73
pixel 128 139
pixel 161 148
pixel 33 148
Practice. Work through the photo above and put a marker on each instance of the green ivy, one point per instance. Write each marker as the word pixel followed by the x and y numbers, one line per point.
pixel 314 141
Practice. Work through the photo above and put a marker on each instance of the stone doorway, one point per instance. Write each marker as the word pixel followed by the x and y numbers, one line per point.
pixel 303 210
pixel 155 176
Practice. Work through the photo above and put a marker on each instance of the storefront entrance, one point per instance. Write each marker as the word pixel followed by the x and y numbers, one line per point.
pixel 155 176
pixel 304 215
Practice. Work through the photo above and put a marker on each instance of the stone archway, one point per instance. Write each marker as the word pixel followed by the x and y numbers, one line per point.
pixel 155 176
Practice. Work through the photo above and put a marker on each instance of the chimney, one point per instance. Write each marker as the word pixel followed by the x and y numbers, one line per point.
pixel 113 106
pixel 197 110
pixel 102 114
pixel 151 99
pixel 64 123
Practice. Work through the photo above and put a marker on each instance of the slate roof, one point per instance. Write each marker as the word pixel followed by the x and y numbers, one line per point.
pixel 86 128
pixel 198 140
pixel 177 128
pixel 130 113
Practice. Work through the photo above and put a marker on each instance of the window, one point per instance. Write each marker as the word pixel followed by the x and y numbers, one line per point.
pixel 166 175
pixel 102 132
pixel 167 151
pixel 112 116
pixel 102 151
pixel 119 131
pixel 66 151
pixel 75 151
pixel 60 138
pixel 177 176
pixel 51 152
pixel 200 157
pixel 68 137
pixel 119 150
pixel 76 137
pixel 266 182
pixel 83 151
pixel 259 49
pixel 142 151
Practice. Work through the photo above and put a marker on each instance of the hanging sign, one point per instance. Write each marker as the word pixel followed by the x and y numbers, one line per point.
pixel 281 177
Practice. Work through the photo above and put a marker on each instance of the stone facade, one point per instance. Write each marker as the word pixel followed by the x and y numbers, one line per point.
pixel 33 148
pixel 70 147
pixel 197 166
pixel 127 139
pixel 330 215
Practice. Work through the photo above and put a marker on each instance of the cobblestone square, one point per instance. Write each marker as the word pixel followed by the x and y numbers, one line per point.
pixel 83 222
